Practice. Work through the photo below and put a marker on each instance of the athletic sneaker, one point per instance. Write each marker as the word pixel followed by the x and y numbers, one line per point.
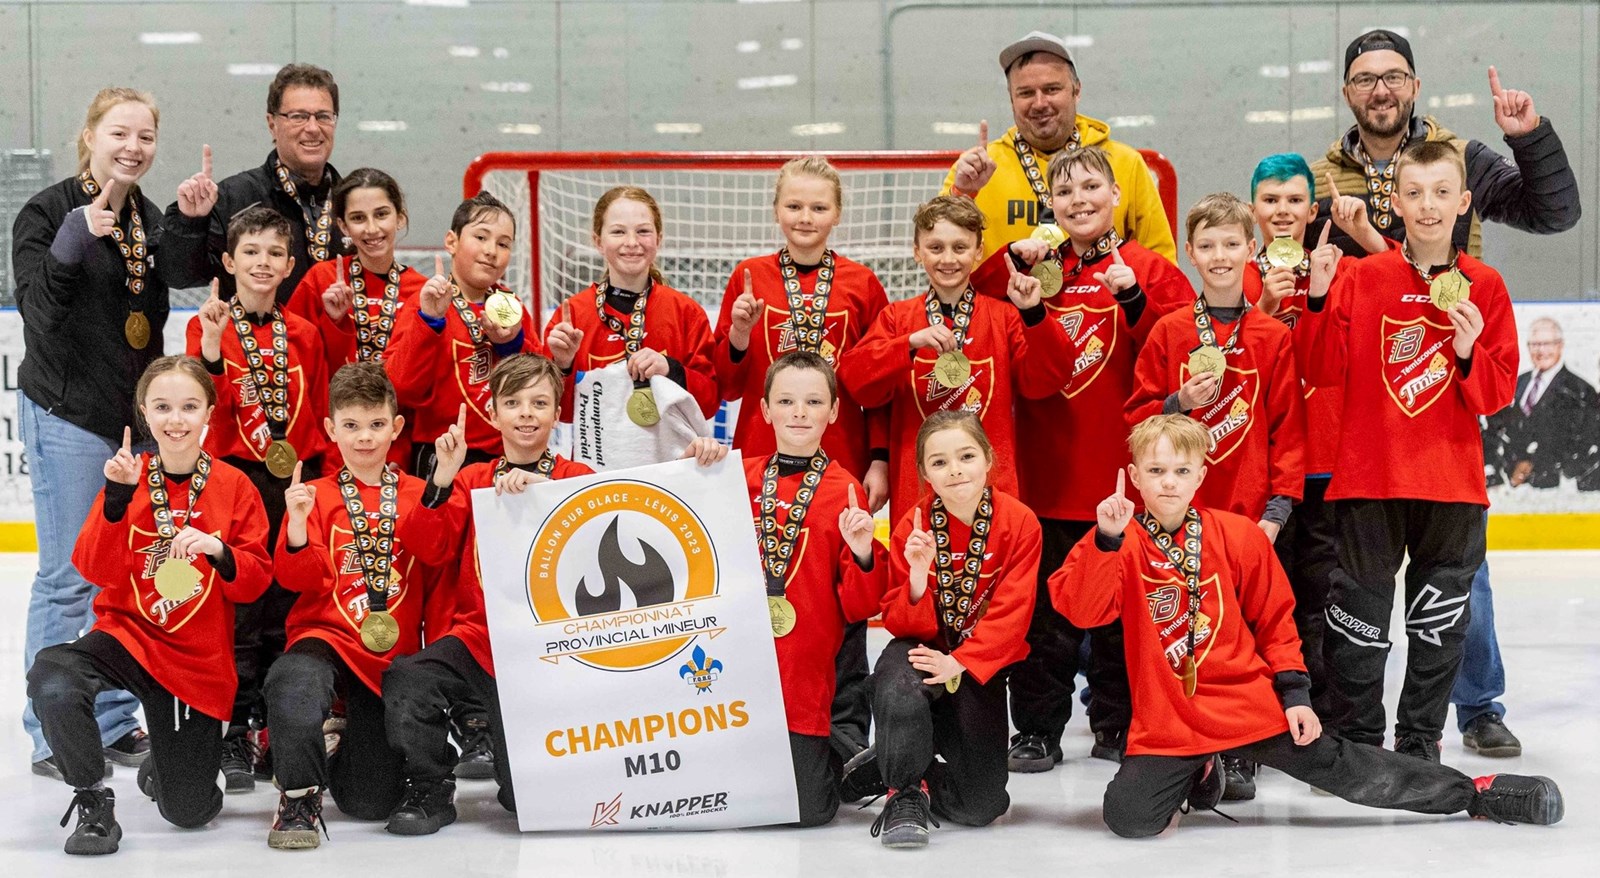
pixel 861 778
pixel 1110 746
pixel 1209 786
pixel 130 749
pixel 904 820
pixel 147 779
pixel 238 762
pixel 425 808
pixel 1032 753
pixel 1240 776
pixel 97 831
pixel 294 827
pixel 1488 736
pixel 477 751
pixel 1418 746
pixel 47 767
pixel 1516 798
pixel 260 750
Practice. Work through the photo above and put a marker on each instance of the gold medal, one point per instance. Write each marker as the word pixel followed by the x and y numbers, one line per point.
pixel 1285 253
pixel 642 408
pixel 1449 289
pixel 137 330
pixel 952 369
pixel 1048 272
pixel 379 631
pixel 503 309
pixel 1190 676
pixel 782 613
pixel 281 458
pixel 1050 233
pixel 1207 358
pixel 952 684
pixel 176 579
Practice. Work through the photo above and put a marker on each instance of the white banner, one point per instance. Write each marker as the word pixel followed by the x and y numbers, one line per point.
pixel 633 649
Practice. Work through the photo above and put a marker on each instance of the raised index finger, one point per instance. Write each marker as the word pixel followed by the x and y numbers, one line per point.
pixel 983 133
pixel 461 417
pixel 1333 191
pixel 850 496
pixel 438 265
pixel 338 269
pixel 749 285
pixel 916 519
pixel 1322 239
pixel 1116 255
pixel 127 439
pixel 1494 82
pixel 1122 482
pixel 295 479
pixel 205 160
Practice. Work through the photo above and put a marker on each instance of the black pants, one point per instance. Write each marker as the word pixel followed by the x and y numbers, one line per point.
pixel 816 778
pixel 1445 542
pixel 1308 550
pixel 258 636
pixel 852 700
pixel 419 693
pixel 365 775
pixel 1141 799
pixel 917 721
pixel 1043 684
pixel 185 746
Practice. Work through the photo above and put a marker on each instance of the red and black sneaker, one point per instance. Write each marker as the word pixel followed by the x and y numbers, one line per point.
pixel 1517 798
pixel 905 818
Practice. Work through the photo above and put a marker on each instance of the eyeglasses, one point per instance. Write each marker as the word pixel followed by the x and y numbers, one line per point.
pixel 1394 80
pixel 300 118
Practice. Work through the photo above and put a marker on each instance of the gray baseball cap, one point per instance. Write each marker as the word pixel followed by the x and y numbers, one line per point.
pixel 1036 41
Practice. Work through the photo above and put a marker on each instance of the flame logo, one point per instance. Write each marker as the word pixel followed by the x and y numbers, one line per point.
pixel 650 580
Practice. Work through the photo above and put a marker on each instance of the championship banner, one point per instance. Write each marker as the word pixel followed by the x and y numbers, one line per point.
pixel 633 651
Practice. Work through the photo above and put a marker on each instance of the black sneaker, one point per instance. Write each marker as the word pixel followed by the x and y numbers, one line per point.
pixel 861 778
pixel 47 767
pixel 131 749
pixel 1109 746
pixel 294 828
pixel 1418 746
pixel 1488 736
pixel 1032 753
pixel 260 750
pixel 1240 779
pixel 97 831
pixel 425 808
pixel 1209 786
pixel 1516 798
pixel 238 763
pixel 905 818
pixel 477 751
pixel 147 779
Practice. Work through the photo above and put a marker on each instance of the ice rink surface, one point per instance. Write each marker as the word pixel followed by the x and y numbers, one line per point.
pixel 1548 614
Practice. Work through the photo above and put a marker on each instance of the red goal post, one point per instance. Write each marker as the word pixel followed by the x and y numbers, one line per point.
pixel 716 209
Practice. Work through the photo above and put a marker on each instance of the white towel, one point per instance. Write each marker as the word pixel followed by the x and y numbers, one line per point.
pixel 605 438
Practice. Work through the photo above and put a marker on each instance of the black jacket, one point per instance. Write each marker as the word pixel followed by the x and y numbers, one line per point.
pixel 77 363
pixel 196 244
pixel 1558 438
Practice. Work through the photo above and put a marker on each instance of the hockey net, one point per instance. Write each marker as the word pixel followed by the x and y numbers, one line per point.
pixel 716 211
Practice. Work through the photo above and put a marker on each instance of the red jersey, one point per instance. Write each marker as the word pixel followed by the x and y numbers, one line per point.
pixel 675 326
pixel 1010 564
pixel 1008 358
pixel 239 426
pixel 825 585
pixel 186 645
pixel 435 371
pixel 1256 421
pixel 855 299
pixel 1409 428
pixel 1244 634
pixel 327 573
pixel 1074 440
pixel 470 622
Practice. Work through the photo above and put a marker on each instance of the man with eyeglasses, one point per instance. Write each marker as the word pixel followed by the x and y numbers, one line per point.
pixel 1548 430
pixel 295 180
pixel 1535 190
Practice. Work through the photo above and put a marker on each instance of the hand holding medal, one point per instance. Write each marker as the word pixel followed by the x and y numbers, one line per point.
pixel 502 305
pixel 124 467
pixel 434 299
pixel 99 215
pixel 1202 384
pixel 191 543
pixel 1468 323
pixel 1025 290
pixel 1118 276
pixel 941 666
pixel 1114 513
pixel 746 311
pixel 856 525
pixel 198 194
pixel 339 297
pixel 1276 285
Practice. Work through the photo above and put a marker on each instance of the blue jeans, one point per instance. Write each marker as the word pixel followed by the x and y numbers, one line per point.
pixel 66 464
pixel 1482 677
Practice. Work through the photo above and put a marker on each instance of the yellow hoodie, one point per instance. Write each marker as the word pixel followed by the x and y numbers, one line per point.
pixel 1011 209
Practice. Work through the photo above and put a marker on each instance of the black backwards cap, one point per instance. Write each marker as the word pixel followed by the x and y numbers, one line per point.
pixel 1378 41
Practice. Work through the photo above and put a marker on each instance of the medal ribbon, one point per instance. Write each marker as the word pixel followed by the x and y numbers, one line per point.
pixel 272 385
pixel 468 316
pixel 318 221
pixel 777 544
pixel 1030 169
pixel 810 324
pixel 961 319
pixel 1380 184
pixel 1455 256
pixel 160 506
pixel 1185 558
pixel 633 333
pixel 372 333
pixel 375 551
pixel 957 604
pixel 131 242
pixel 1101 248
pixel 1207 333
pixel 544 466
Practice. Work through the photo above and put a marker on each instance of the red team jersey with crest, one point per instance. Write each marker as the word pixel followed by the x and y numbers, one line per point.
pixel 854 300
pixel 186 645
pixel 825 585
pixel 1409 428
pixel 1075 443
pixel 435 371
pixel 239 425
pixel 1256 420
pixel 327 573
pixel 674 325
pixel 1244 634
pixel 1010 563
pixel 470 622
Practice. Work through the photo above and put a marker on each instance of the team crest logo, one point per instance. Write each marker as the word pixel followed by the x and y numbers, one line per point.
pixel 1418 362
pixel 700 671
pixel 350 590
pixel 1168 603
pixel 471 365
pixel 780 332
pixel 169 616
pixel 1227 417
pixel 971 396
pixel 621 578
pixel 1094 337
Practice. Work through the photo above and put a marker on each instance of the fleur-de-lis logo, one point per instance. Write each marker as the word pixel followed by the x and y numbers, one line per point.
pixel 699 671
